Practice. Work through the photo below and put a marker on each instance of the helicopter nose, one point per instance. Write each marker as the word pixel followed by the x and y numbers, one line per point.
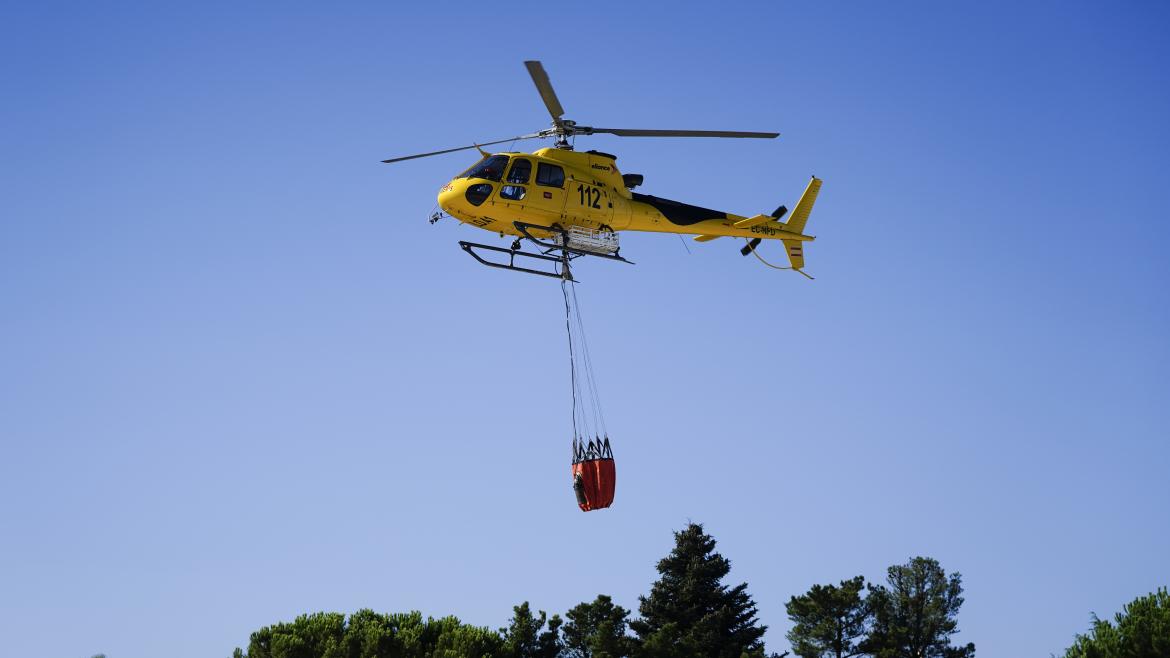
pixel 449 196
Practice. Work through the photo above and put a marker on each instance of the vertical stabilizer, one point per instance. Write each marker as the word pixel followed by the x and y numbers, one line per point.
pixel 804 207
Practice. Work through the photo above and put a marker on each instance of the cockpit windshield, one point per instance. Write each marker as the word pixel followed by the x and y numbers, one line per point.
pixel 491 168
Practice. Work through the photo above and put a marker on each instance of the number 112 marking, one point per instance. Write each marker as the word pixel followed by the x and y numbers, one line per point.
pixel 590 196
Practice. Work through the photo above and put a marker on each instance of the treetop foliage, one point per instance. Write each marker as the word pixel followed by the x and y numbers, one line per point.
pixel 829 620
pixel 1141 630
pixel 597 630
pixel 367 634
pixel 917 613
pixel 690 612
pixel 525 636
pixel 913 616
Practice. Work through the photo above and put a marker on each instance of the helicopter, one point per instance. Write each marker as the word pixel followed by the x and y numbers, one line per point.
pixel 571 204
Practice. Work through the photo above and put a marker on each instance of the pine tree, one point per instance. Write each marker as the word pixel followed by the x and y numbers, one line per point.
pixel 916 615
pixel 829 620
pixel 689 611
pixel 597 630
pixel 524 637
pixel 367 634
pixel 1142 630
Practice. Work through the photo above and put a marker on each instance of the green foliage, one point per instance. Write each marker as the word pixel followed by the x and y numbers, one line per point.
pixel 1142 631
pixel 368 634
pixel 829 620
pixel 524 637
pixel 669 641
pixel 308 636
pixel 689 611
pixel 597 630
pixel 916 615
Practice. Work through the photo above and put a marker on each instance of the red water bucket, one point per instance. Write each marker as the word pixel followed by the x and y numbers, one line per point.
pixel 593 482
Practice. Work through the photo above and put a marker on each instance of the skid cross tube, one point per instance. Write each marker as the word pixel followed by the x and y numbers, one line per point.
pixel 564 246
pixel 565 274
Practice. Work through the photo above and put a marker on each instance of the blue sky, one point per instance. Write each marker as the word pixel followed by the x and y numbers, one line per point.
pixel 241 377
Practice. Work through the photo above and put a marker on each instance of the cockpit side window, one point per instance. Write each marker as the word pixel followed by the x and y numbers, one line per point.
pixel 491 168
pixel 550 175
pixel 512 192
pixel 521 170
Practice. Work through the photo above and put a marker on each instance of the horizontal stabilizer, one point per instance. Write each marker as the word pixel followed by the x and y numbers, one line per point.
pixel 706 238
pixel 754 221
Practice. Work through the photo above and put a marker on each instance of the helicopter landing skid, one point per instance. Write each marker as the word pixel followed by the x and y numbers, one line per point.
pixel 557 273
pixel 553 252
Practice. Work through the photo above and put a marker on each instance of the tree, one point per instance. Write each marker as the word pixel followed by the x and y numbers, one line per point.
pixel 1142 631
pixel 689 611
pixel 829 620
pixel 317 635
pixel 597 630
pixel 446 638
pixel 916 615
pixel 367 634
pixel 523 638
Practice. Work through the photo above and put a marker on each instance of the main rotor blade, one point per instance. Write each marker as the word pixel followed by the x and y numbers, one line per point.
pixel 462 148
pixel 627 132
pixel 536 70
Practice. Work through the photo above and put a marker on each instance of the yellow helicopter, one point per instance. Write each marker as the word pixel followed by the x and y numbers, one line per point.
pixel 571 204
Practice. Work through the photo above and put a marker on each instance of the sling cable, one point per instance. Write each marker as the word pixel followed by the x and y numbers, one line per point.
pixel 594 476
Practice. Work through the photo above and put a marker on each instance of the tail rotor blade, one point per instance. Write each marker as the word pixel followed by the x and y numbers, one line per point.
pixel 750 247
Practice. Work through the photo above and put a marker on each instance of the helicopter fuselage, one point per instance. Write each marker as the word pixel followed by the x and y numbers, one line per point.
pixel 563 188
